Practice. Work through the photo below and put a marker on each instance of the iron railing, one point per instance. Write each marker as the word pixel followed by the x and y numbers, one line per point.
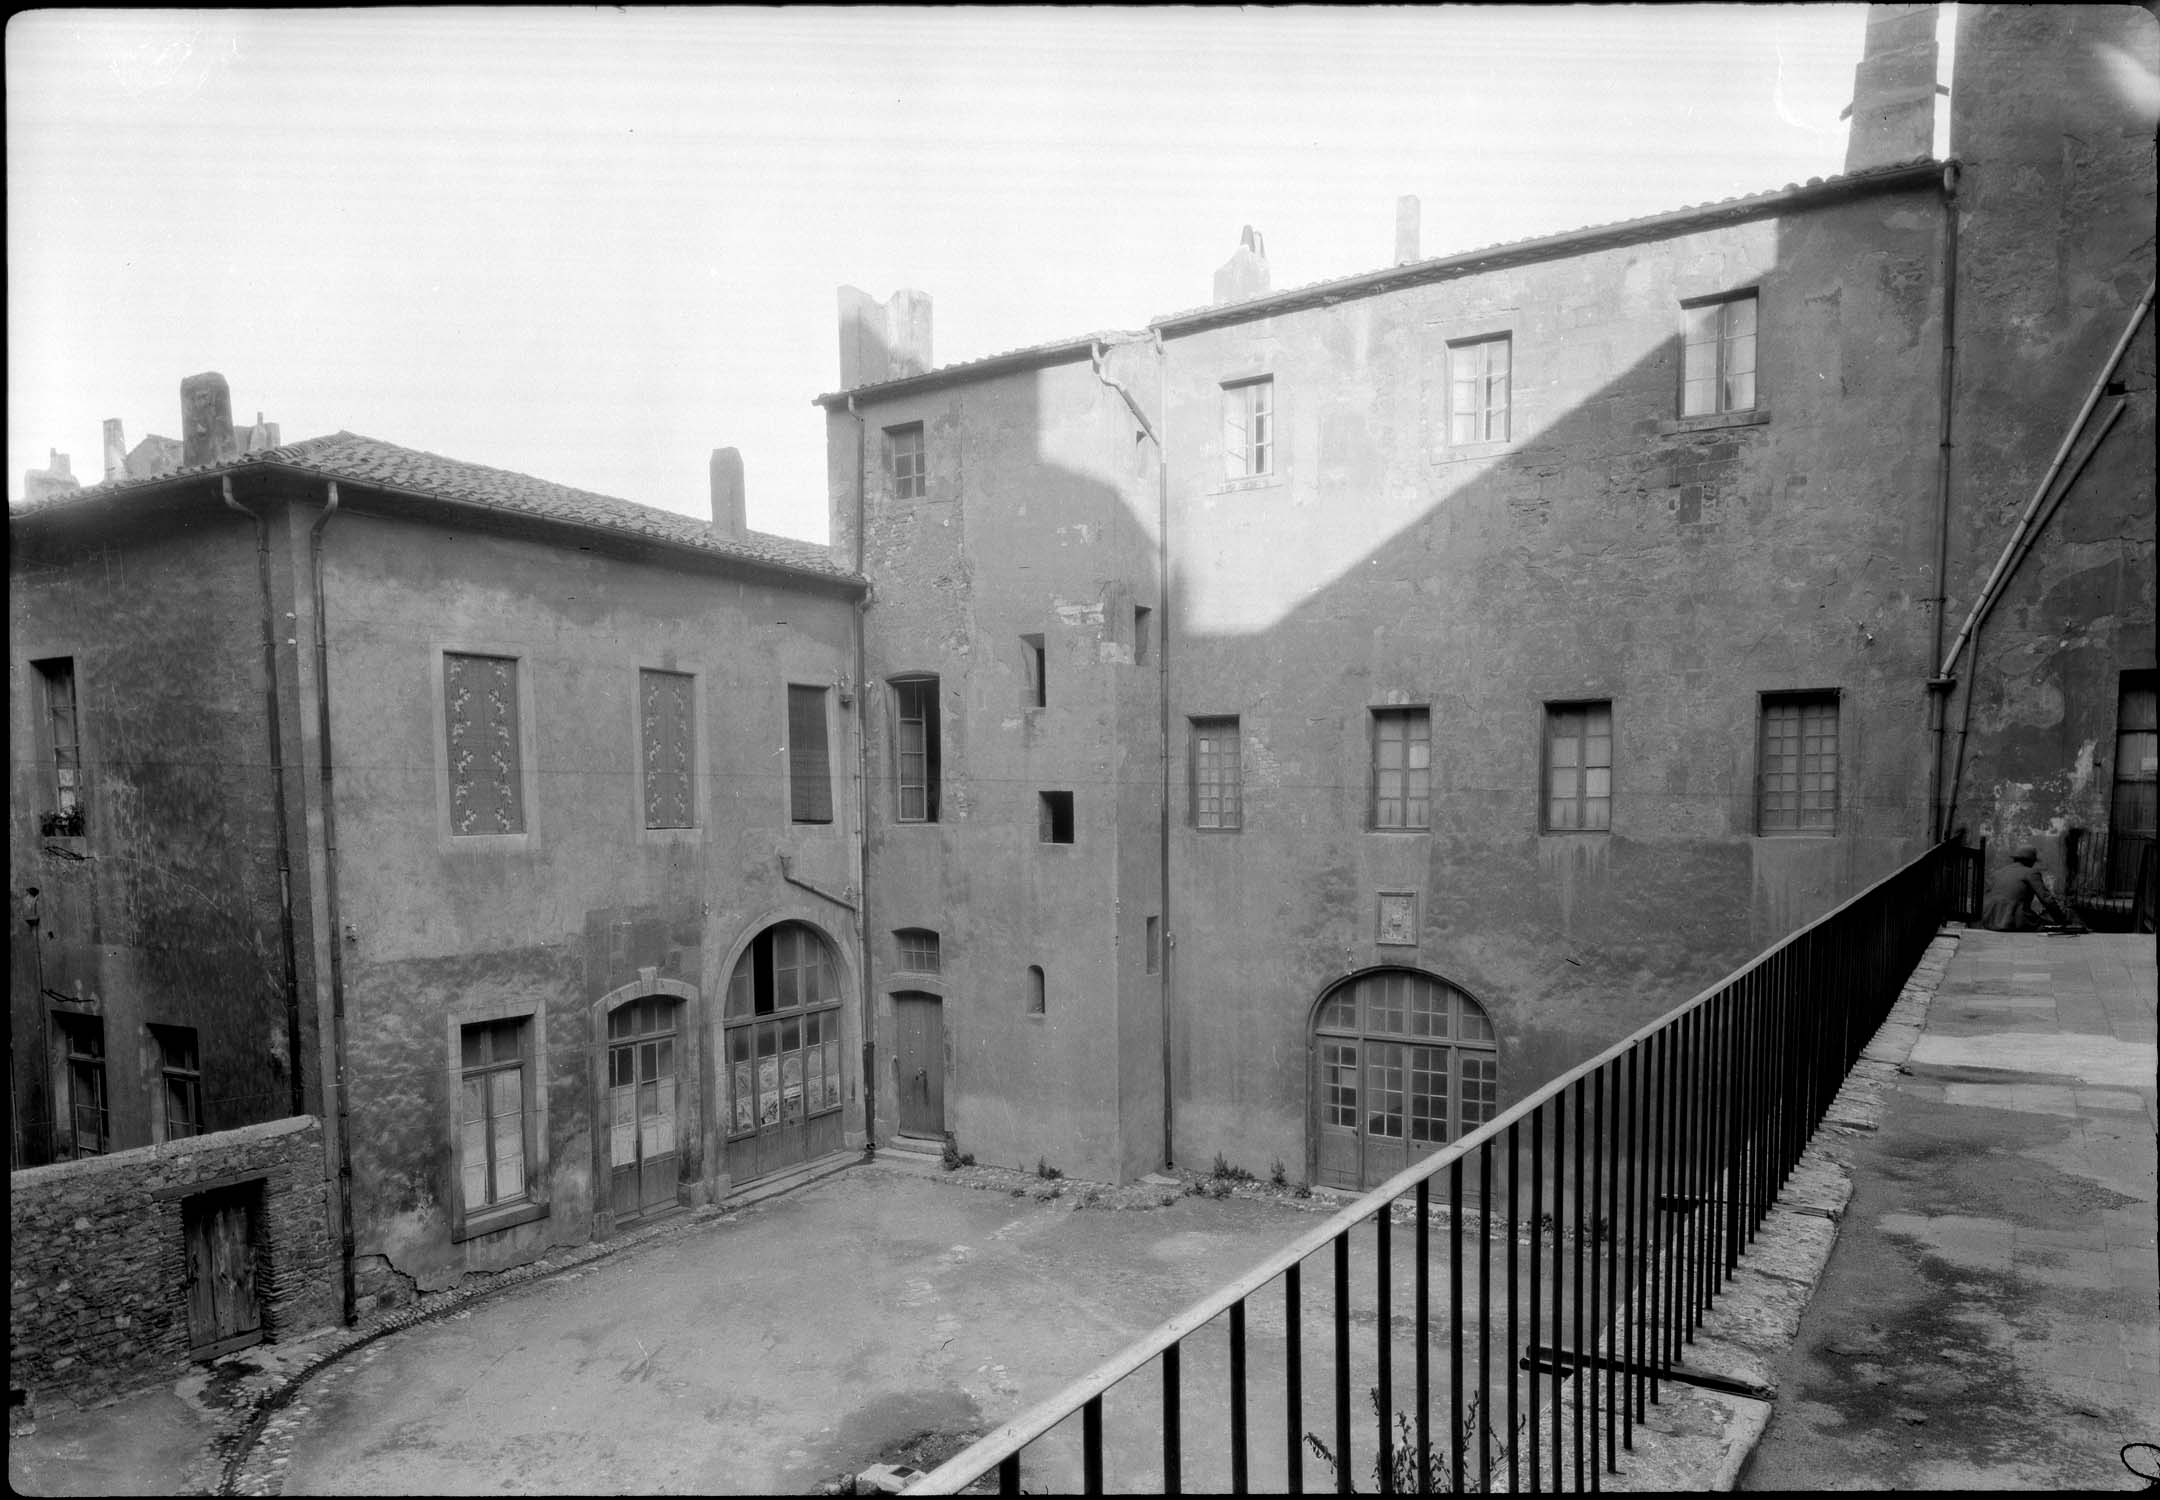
pixel 2109 877
pixel 1582 1235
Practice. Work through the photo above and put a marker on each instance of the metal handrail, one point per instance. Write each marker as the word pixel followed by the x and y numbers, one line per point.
pixel 1006 1441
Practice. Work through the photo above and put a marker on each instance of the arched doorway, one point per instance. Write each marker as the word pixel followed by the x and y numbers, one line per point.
pixel 1402 1063
pixel 783 1052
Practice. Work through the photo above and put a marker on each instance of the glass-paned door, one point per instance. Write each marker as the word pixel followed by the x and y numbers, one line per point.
pixel 783 1077
pixel 642 1155
pixel 1403 1063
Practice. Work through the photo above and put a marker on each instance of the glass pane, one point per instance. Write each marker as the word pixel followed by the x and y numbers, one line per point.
pixel 1597 782
pixel 1699 397
pixel 1739 392
pixel 473 1105
pixel 745 1098
pixel 1471 1021
pixel 1740 316
pixel 1339 1012
pixel 622 1127
pixel 1565 748
pixel 508 1089
pixel 1701 324
pixel 665 1066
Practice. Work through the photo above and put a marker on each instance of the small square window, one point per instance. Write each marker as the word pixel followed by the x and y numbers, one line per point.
pixel 904 461
pixel 1249 428
pixel 1217 787
pixel 919 950
pixel 1578 767
pixel 1797 780
pixel 1401 768
pixel 1056 826
pixel 1718 360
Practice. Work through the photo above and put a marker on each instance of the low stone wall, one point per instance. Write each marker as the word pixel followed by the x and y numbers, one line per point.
pixel 97 1264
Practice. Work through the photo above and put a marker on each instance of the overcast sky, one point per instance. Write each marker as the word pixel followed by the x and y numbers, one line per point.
pixel 595 245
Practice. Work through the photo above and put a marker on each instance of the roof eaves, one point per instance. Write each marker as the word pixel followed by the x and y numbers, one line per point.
pixel 1033 356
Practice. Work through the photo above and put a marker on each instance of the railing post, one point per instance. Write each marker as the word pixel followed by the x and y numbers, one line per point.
pixel 1344 1477
pixel 1294 1377
pixel 1238 1474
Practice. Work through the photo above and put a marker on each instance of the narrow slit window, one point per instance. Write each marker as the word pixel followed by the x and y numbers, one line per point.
pixel 916 768
pixel 1057 818
pixel 1038 999
pixel 1143 624
pixel 1035 668
pixel 61 751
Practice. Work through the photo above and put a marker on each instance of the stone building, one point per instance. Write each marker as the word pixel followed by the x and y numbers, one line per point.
pixel 559 787
pixel 1314 720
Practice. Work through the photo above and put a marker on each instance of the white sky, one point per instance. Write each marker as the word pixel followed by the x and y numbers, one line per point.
pixel 595 245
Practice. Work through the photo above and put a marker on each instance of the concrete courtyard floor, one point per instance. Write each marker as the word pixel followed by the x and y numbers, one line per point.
pixel 1990 1315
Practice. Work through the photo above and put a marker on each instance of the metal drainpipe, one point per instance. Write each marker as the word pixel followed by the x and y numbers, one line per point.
pixel 1162 669
pixel 298 1100
pixel 330 908
pixel 1939 687
pixel 862 794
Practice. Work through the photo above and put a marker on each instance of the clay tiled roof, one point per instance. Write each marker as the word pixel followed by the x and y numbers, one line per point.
pixel 375 464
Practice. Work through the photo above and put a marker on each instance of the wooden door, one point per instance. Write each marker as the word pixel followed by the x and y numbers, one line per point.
pixel 919 1052
pixel 223 1313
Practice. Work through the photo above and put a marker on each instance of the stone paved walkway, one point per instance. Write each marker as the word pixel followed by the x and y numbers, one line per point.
pixel 1990 1317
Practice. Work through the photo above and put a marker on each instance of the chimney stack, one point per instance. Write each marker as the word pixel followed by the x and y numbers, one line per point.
pixel 57 476
pixel 1244 275
pixel 115 449
pixel 728 515
pixel 1406 230
pixel 206 430
pixel 882 341
pixel 1893 107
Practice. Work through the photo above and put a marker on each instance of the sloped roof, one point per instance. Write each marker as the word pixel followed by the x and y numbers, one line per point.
pixel 371 462
pixel 1814 192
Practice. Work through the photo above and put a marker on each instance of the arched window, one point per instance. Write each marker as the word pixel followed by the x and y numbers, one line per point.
pixel 1403 1062
pixel 784 1080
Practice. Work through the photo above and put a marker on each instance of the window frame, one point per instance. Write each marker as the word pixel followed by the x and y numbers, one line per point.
pixel 801 775
pixel 1056 808
pixel 909 948
pixel 1408 714
pixel 69 1053
pixel 1801 700
pixel 60 767
pixel 1034 671
pixel 447 839
pixel 1481 414
pixel 1547 765
pixel 1720 374
pixel 531 1017
pixel 1038 993
pixel 931 783
pixel 908 481
pixel 1228 784
pixel 1248 403
pixel 178 1076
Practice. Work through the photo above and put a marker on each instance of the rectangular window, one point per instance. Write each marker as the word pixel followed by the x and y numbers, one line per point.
pixel 1479 382
pixel 1038 995
pixel 492 1102
pixel 1578 767
pixel 61 750
pixel 1718 362
pixel 82 1123
pixel 915 749
pixel 809 762
pixel 1216 788
pixel 904 461
pixel 1798 780
pixel 1056 825
pixel 180 1086
pixel 1143 624
pixel 919 950
pixel 1401 768
pixel 1035 667
pixel 1249 428
pixel 1154 945
pixel 480 712
pixel 668 722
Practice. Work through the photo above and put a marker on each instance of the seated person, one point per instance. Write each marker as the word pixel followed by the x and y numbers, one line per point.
pixel 2016 891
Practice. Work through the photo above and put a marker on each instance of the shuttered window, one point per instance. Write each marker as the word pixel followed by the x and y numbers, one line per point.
pixel 669 728
pixel 809 760
pixel 480 712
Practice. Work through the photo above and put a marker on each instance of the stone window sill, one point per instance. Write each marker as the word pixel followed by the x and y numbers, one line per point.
pixel 1713 421
pixel 1462 452
pixel 495 1220
pixel 1257 482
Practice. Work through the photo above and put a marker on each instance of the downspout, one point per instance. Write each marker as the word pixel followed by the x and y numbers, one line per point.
pixel 1162 695
pixel 298 1100
pixel 330 906
pixel 1939 687
pixel 2014 551
pixel 862 795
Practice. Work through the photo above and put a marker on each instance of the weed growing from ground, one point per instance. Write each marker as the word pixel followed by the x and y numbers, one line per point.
pixel 1227 1172
pixel 954 1158
pixel 1278 1174
pixel 1402 1477
pixel 1045 1171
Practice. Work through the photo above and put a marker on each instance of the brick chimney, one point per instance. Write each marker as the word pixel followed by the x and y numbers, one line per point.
pixel 55 478
pixel 206 430
pixel 1893 107
pixel 1406 230
pixel 881 341
pixel 728 516
pixel 1245 274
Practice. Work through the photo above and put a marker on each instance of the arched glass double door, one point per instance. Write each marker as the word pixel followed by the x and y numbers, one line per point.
pixel 1403 1063
pixel 783 1075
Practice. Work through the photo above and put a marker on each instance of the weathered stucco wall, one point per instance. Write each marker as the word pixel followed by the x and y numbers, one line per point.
pixel 1599 554
pixel 588 903
pixel 2057 206
pixel 1038 520
pixel 166 909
